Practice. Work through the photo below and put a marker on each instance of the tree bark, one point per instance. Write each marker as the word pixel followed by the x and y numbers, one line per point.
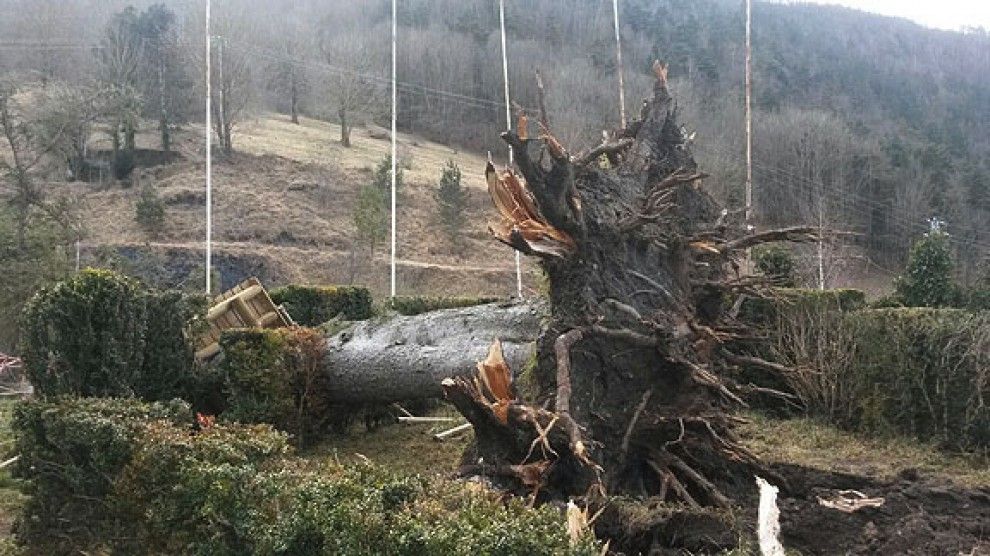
pixel 643 272
pixel 345 131
pixel 404 358
pixel 294 98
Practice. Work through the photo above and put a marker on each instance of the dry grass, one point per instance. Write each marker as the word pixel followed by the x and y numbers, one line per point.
pixel 408 449
pixel 812 443
pixel 287 194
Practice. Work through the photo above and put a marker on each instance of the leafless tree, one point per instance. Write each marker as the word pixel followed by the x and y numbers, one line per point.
pixel 352 88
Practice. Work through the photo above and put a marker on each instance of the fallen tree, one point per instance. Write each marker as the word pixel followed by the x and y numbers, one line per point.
pixel 403 358
pixel 633 365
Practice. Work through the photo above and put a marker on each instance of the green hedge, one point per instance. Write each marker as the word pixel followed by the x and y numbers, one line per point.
pixel 233 490
pixel 922 372
pixel 148 486
pixel 764 311
pixel 103 334
pixel 416 305
pixel 185 493
pixel 71 450
pixel 276 377
pixel 315 305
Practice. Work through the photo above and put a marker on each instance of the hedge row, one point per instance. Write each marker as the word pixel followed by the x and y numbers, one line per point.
pixel 418 304
pixel 124 476
pixel 102 334
pixel 923 372
pixel 275 377
pixel 72 450
pixel 315 305
pixel 765 311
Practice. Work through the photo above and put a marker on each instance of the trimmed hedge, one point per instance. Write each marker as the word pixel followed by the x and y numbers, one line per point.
pixel 416 305
pixel 235 489
pixel 100 333
pixel 186 493
pixel 315 305
pixel 765 311
pixel 275 376
pixel 922 372
pixel 71 450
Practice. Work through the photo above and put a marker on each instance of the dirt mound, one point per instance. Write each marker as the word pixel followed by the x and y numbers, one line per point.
pixel 919 516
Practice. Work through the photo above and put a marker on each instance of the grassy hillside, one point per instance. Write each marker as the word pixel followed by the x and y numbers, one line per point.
pixel 285 199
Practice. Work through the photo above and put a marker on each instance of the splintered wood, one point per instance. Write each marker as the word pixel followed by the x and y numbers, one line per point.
pixel 495 375
pixel 523 226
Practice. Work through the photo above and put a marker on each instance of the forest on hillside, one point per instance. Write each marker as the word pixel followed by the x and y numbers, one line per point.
pixel 863 123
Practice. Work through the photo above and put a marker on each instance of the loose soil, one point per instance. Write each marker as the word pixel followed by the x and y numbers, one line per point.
pixel 921 515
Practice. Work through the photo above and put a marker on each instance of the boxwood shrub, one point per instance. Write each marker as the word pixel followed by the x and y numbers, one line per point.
pixel 275 376
pixel 100 333
pixel 185 493
pixel 71 451
pixel 315 305
pixel 122 476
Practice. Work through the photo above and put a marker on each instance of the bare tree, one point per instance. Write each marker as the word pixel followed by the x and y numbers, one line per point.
pixel 120 58
pixel 31 140
pixel 350 84
pixel 290 76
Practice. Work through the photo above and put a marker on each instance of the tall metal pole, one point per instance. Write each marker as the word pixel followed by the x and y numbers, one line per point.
pixel 618 57
pixel 395 32
pixel 209 158
pixel 508 124
pixel 749 112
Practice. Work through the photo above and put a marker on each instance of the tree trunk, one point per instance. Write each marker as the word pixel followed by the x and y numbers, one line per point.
pixel 345 131
pixel 163 119
pixel 406 358
pixel 294 98
pixel 634 358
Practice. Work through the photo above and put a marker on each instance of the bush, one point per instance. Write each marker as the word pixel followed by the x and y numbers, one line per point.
pixel 219 505
pixel 72 450
pixel 150 212
pixel 928 278
pixel 371 217
pixel 766 311
pixel 315 305
pixel 188 493
pixel 922 372
pixel 102 334
pixel 276 377
pixel 776 262
pixel 415 305
pixel 124 475
pixel 451 198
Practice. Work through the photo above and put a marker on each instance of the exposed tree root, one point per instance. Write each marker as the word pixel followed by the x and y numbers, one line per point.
pixel 636 354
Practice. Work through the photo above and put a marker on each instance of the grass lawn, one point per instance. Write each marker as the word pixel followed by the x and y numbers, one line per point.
pixel 408 449
pixel 813 443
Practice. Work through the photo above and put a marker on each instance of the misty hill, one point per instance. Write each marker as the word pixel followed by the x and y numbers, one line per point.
pixel 864 123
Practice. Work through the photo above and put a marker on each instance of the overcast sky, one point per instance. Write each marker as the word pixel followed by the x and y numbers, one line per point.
pixel 943 14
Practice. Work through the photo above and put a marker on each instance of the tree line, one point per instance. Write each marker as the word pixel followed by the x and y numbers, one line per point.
pixel 863 123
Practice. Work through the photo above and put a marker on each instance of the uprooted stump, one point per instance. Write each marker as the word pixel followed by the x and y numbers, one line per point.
pixel 634 388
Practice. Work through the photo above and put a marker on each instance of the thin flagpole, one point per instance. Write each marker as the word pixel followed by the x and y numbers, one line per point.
pixel 209 157
pixel 395 32
pixel 618 57
pixel 749 126
pixel 508 125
